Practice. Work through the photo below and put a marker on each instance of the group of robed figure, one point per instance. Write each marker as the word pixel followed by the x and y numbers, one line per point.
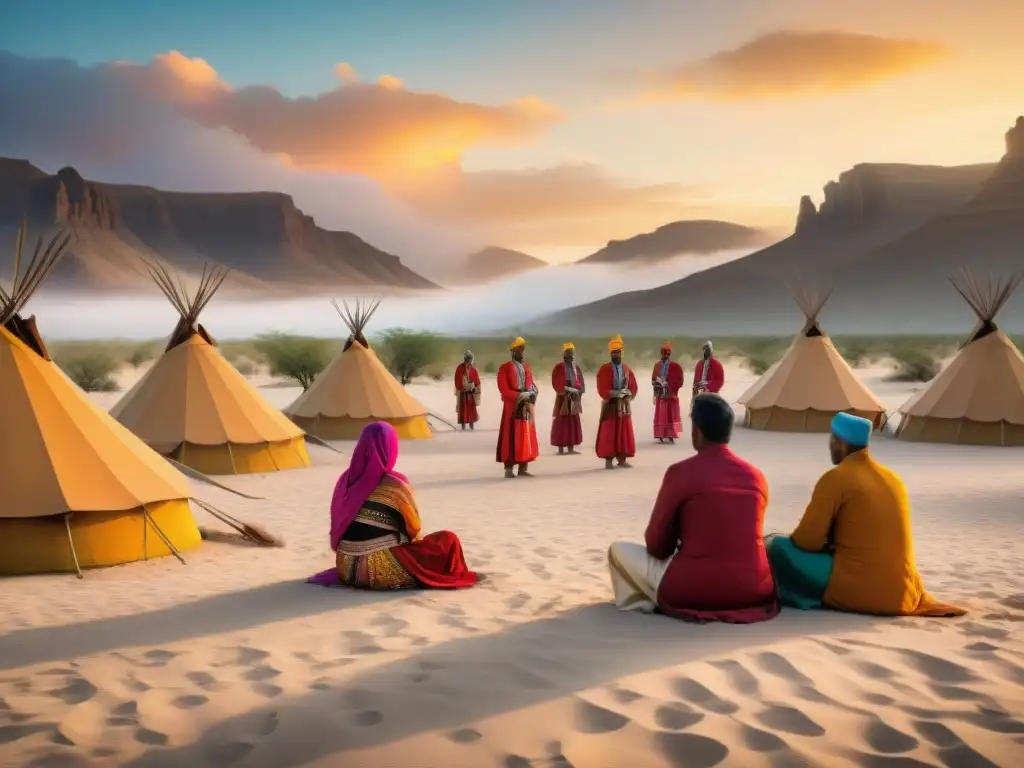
pixel 617 387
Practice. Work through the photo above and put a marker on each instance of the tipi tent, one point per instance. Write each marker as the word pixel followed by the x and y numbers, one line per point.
pixel 78 489
pixel 979 398
pixel 356 389
pixel 194 407
pixel 812 382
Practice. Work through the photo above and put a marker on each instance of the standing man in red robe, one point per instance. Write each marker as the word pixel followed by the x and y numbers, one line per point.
pixel 567 381
pixel 467 392
pixel 709 375
pixel 667 380
pixel 517 435
pixel 616 385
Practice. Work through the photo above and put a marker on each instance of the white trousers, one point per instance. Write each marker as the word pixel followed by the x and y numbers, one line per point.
pixel 635 576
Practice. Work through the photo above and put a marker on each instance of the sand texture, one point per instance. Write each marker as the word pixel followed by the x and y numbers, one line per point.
pixel 231 660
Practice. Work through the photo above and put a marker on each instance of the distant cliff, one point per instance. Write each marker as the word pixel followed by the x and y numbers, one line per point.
pixel 262 236
pixel 678 239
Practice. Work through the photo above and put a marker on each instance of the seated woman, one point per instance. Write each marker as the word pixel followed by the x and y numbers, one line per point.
pixel 853 550
pixel 375 526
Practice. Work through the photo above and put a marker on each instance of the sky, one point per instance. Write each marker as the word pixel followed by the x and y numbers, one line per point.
pixel 435 127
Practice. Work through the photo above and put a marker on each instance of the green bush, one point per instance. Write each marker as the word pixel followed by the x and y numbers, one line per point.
pixel 757 364
pixel 914 366
pixel 92 370
pixel 300 358
pixel 140 355
pixel 490 367
pixel 409 353
pixel 245 366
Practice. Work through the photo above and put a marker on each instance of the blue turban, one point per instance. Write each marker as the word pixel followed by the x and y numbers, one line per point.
pixel 852 430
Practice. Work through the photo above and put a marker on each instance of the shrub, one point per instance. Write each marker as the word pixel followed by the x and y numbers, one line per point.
pixel 757 363
pixel 490 367
pixel 245 366
pixel 300 358
pixel 913 365
pixel 141 354
pixel 409 352
pixel 92 370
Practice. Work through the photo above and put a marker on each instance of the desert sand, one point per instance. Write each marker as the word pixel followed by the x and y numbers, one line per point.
pixel 233 660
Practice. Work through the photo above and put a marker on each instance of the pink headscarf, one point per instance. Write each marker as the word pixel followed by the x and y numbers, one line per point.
pixel 373 458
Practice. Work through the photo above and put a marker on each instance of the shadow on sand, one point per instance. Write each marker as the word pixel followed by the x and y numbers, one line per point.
pixel 209 616
pixel 470 679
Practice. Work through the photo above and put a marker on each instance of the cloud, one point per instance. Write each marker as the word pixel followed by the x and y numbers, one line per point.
pixel 794 64
pixel 380 129
pixel 373 158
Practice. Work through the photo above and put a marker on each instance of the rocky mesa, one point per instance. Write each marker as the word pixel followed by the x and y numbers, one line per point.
pixel 263 237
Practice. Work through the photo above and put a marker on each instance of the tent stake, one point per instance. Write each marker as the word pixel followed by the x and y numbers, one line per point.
pixel 71 541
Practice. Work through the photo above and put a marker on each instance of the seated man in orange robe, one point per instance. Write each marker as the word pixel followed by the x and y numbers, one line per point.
pixel 854 547
pixel 517 435
pixel 667 380
pixel 616 385
pixel 567 381
pixel 467 392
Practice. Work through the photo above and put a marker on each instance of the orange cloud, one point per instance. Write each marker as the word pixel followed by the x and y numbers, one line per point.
pixel 381 129
pixel 567 205
pixel 793 64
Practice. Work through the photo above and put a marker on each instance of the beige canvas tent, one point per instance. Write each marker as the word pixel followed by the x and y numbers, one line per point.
pixel 812 382
pixel 356 389
pixel 979 398
pixel 78 489
pixel 194 407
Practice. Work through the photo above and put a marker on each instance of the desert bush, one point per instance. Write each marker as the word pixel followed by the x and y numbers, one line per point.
pixel 491 367
pixel 91 369
pixel 142 354
pixel 245 366
pixel 757 363
pixel 914 365
pixel 409 353
pixel 300 358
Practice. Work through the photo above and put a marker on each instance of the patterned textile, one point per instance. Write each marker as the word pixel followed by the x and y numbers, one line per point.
pixel 378 570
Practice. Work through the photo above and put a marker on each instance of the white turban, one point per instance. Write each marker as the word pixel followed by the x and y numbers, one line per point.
pixel 708 347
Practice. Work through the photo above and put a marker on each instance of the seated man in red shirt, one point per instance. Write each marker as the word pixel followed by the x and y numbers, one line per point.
pixel 704 558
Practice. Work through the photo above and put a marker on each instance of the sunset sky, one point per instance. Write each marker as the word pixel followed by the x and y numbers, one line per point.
pixel 536 124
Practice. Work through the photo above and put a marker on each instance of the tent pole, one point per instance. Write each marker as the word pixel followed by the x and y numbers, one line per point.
pixel 270 450
pixel 71 541
pixel 161 534
pixel 231 456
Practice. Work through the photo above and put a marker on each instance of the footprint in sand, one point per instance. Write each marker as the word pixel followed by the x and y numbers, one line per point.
pixel 624 695
pixel 12 733
pixel 689 750
pixel 955 692
pixel 464 736
pixel 189 701
pixel 936 733
pixel 739 677
pixel 516 761
pixel 938 670
pixel 368 718
pixel 872 670
pixel 59 760
pixel 676 717
pixel 757 740
pixel 151 738
pixel 517 601
pixel 789 720
pixel 204 680
pixel 261 673
pixel 158 658
pixel 883 738
pixel 246 657
pixel 981 647
pixel 1015 602
pixel 781 667
pixel 962 756
pixel 267 690
pixel 878 699
pixel 76 691
pixel 590 718
pixel 690 690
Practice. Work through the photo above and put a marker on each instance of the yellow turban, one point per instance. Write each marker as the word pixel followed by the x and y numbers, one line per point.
pixel 616 345
pixel 518 342
pixel 567 346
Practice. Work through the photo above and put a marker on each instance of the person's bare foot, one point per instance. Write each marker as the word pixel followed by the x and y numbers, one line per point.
pixel 525 473
pixel 624 463
pixel 561 450
pixel 671 441
pixel 509 473
pixel 573 451
pixel 608 464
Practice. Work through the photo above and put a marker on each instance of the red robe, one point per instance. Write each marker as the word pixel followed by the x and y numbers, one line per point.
pixel 667 417
pixel 615 431
pixel 465 403
pixel 517 434
pixel 566 427
pixel 716 374
pixel 709 514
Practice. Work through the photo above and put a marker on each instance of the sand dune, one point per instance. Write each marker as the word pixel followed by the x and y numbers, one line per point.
pixel 232 660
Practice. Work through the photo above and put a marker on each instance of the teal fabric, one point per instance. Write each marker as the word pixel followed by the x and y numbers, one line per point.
pixel 800 577
pixel 852 430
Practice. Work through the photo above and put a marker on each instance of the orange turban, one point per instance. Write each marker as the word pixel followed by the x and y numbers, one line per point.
pixel 667 346
pixel 616 344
